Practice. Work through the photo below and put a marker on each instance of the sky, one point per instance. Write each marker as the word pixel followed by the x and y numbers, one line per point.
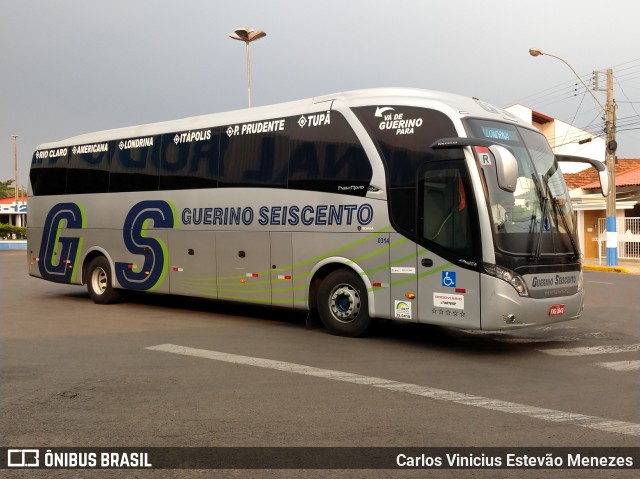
pixel 75 66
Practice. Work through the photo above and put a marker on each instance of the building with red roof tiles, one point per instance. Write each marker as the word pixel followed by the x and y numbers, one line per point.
pixel 590 206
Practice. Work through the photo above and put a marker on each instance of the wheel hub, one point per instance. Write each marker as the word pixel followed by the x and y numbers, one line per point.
pixel 99 280
pixel 344 303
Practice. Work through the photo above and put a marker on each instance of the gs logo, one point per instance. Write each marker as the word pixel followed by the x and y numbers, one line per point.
pixel 59 254
pixel 154 251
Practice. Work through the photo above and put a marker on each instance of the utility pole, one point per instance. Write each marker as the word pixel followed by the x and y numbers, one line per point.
pixel 610 111
pixel 610 154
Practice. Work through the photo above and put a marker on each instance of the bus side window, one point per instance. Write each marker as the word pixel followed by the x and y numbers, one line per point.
pixel 89 172
pixel 303 163
pixel 136 169
pixel 49 175
pixel 444 208
pixel 328 157
pixel 352 165
pixel 253 160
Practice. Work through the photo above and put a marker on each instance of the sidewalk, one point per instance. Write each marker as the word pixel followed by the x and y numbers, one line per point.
pixel 624 266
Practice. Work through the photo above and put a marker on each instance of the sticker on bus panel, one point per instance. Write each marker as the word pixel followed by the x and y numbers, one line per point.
pixel 483 155
pixel 448 300
pixel 402 270
pixel 449 279
pixel 403 310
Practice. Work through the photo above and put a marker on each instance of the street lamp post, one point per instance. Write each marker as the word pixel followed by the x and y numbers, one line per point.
pixel 610 158
pixel 18 222
pixel 247 35
pixel 15 165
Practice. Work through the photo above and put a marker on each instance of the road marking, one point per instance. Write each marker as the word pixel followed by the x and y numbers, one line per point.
pixel 588 351
pixel 563 339
pixel 599 282
pixel 551 415
pixel 621 365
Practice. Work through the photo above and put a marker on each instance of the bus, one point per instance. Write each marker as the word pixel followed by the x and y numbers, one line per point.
pixel 392 203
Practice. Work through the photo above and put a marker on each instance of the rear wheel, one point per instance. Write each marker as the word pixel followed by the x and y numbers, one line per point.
pixel 100 282
pixel 343 305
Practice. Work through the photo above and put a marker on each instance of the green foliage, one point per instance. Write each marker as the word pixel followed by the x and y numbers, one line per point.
pixel 5 189
pixel 12 232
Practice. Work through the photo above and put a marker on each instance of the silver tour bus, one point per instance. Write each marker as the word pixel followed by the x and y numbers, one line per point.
pixel 401 204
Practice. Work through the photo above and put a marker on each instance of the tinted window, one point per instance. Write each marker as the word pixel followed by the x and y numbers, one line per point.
pixel 189 160
pixel 134 164
pixel 403 135
pixel 88 169
pixel 254 154
pixel 326 155
pixel 48 173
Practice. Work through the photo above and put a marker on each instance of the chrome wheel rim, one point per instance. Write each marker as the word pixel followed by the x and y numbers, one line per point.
pixel 99 280
pixel 344 303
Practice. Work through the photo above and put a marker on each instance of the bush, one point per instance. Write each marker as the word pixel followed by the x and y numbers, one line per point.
pixel 12 232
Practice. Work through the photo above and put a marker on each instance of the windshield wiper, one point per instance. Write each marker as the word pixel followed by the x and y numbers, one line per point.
pixel 543 218
pixel 558 211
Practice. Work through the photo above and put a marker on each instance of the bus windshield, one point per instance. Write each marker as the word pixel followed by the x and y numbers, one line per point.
pixel 536 219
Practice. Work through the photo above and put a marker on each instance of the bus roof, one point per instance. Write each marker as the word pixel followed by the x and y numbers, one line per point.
pixel 453 104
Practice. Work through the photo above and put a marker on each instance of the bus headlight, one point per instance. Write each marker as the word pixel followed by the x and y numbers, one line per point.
pixel 511 277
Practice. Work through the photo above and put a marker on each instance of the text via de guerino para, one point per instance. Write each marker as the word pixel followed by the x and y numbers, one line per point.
pixel 401 125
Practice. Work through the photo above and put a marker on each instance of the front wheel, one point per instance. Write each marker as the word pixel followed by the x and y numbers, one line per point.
pixel 343 305
pixel 100 282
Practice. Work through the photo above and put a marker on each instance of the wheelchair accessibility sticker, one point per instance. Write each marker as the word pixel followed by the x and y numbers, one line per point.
pixel 449 279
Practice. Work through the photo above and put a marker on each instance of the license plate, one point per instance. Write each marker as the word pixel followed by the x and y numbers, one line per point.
pixel 556 310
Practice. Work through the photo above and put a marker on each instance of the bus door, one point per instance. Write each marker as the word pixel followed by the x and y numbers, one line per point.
pixel 448 294
pixel 244 266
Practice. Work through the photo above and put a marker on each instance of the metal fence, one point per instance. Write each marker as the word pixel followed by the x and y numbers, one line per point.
pixel 628 230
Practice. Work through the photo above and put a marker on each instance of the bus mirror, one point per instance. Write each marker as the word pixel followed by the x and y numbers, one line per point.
pixel 506 167
pixel 506 163
pixel 603 174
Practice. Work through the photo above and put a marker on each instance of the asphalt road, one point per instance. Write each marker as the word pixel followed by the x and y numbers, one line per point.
pixel 169 371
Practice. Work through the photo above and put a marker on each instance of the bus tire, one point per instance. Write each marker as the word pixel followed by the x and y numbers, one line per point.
pixel 100 282
pixel 343 304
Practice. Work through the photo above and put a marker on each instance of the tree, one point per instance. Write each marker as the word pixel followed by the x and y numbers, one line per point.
pixel 6 190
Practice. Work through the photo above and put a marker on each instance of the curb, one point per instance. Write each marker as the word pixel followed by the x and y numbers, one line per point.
pixel 606 269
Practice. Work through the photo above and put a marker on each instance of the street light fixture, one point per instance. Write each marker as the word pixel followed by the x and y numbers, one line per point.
pixel 247 35
pixel 535 52
pixel 610 160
